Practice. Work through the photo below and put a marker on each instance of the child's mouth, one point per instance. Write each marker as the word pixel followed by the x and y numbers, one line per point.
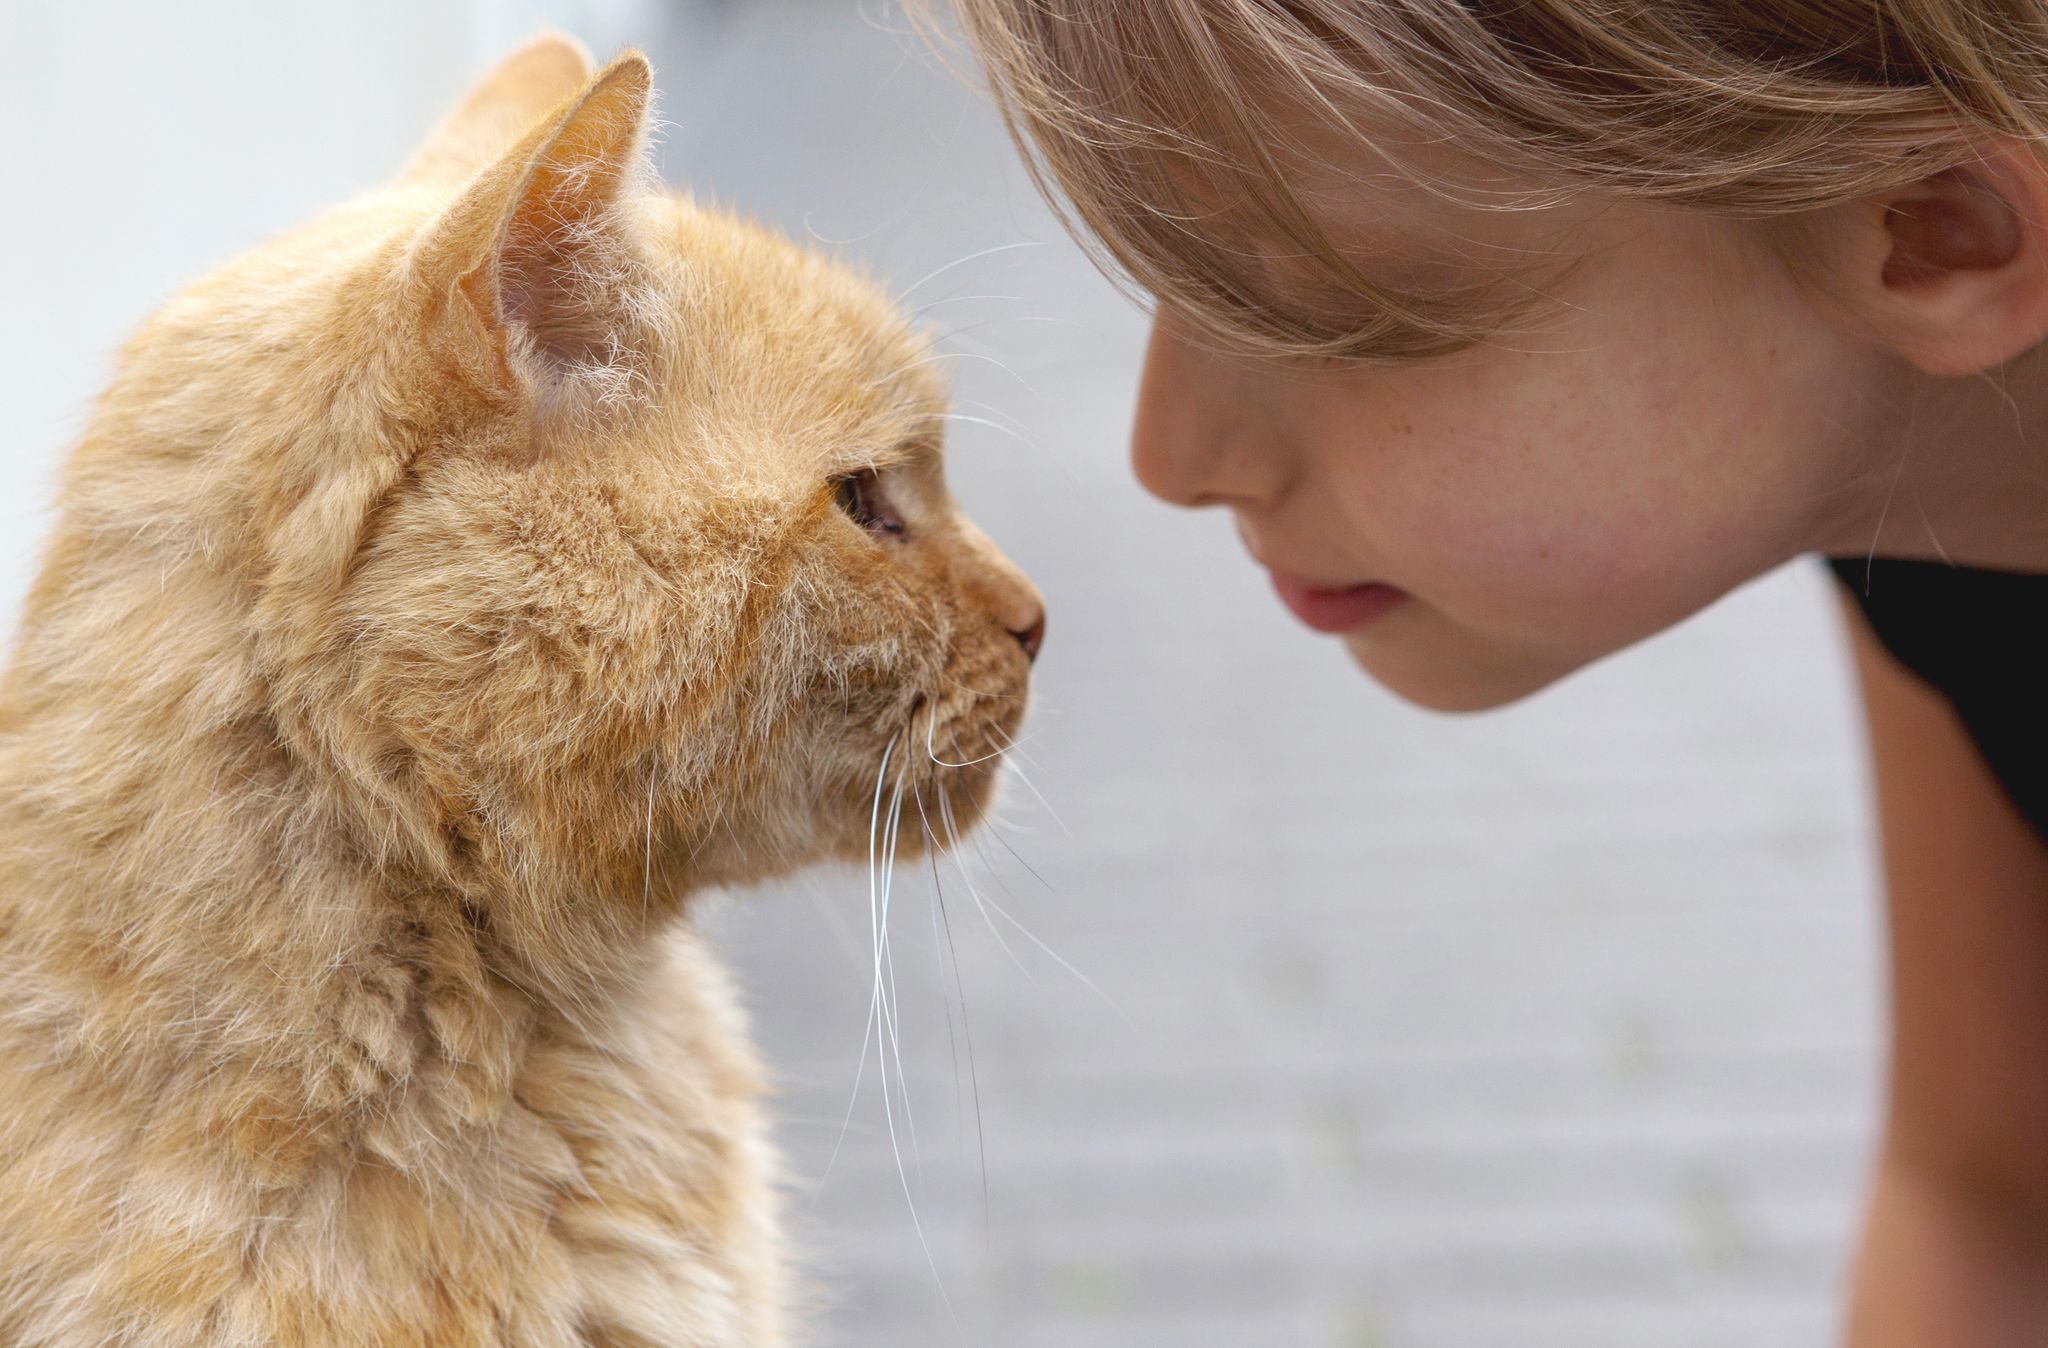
pixel 1337 609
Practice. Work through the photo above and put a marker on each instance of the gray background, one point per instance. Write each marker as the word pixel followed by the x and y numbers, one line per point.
pixel 1555 1026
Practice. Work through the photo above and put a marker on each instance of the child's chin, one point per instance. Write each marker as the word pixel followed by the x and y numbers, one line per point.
pixel 1455 686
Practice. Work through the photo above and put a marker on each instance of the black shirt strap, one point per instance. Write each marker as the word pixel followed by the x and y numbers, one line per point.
pixel 1977 637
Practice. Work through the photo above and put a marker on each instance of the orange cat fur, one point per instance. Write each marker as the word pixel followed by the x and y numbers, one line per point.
pixel 442 594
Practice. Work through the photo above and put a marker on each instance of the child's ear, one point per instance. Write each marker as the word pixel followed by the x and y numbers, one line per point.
pixel 525 86
pixel 1953 270
pixel 531 276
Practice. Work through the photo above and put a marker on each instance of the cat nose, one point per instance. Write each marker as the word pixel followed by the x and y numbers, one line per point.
pixel 1032 637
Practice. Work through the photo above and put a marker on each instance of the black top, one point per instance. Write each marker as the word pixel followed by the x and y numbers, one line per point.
pixel 1976 636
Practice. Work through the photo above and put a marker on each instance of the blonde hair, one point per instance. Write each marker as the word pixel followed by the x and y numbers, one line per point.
pixel 1169 132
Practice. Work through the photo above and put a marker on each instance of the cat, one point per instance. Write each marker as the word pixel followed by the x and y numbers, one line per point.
pixel 442 595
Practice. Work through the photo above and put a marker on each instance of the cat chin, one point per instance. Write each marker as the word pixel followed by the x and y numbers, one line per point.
pixel 922 814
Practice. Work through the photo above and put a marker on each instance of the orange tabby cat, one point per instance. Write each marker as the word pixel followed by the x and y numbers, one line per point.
pixel 443 593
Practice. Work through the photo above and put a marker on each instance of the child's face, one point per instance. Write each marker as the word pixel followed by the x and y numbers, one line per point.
pixel 1693 419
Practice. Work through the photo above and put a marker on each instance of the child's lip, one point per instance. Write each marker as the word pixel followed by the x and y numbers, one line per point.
pixel 1336 607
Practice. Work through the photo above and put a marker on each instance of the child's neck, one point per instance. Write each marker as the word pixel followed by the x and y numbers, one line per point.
pixel 1956 472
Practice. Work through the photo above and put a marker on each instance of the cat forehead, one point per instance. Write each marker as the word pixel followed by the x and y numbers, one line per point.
pixel 779 337
pixel 718 261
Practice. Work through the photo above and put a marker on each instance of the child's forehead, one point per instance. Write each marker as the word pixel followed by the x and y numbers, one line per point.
pixel 1414 207
pixel 1432 223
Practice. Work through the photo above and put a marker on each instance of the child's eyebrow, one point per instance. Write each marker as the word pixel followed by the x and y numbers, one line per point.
pixel 1372 246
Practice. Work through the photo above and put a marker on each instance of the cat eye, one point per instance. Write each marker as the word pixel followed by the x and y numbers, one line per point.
pixel 860 496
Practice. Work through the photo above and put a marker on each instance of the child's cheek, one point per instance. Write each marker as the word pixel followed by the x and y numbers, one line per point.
pixel 1550 549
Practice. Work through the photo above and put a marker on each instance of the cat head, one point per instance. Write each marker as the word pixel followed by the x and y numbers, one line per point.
pixel 601 537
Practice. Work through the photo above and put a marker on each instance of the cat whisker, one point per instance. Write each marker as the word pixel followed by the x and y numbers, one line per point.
pixel 933 357
pixel 881 1017
pixel 1025 758
pixel 1062 961
pixel 647 864
pixel 989 694
pixel 932 752
pixel 1014 744
pixel 902 1174
pixel 1010 424
pixel 941 917
pixel 987 407
pixel 931 856
pixel 986 903
pixel 924 309
pixel 939 949
pixel 1018 857
pixel 992 425
pixel 1039 796
pixel 953 831
pixel 954 336
pixel 951 333
pixel 792 1120
pixel 1011 765
pixel 948 336
pixel 937 272
pixel 1000 821
pixel 892 1002
pixel 812 229
pixel 1016 769
pixel 874 922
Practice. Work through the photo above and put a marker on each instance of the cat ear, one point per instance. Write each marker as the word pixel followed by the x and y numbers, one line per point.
pixel 526 86
pixel 536 261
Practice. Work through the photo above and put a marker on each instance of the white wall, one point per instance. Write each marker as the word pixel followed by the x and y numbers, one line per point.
pixel 148 141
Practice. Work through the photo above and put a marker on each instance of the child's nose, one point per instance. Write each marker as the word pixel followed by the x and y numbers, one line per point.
pixel 1189 441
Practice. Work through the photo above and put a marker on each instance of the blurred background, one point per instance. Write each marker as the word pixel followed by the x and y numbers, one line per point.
pixel 1274 1012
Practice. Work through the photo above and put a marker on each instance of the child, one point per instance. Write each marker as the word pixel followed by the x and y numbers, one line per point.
pixel 1513 331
